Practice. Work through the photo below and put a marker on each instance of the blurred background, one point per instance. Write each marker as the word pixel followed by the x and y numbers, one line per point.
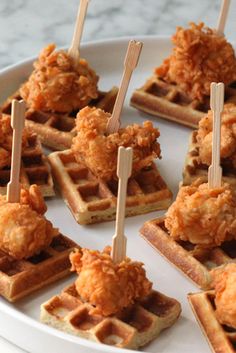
pixel 28 25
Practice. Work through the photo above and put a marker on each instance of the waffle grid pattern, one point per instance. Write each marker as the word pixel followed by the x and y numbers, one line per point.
pixel 19 278
pixel 35 169
pixel 166 100
pixel 131 328
pixel 91 200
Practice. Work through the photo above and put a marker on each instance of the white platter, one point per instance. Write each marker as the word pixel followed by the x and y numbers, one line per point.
pixel 20 323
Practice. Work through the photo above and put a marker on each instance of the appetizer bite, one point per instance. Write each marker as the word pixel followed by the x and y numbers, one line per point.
pixel 215 310
pixel 32 252
pixel 199 229
pixel 34 164
pixel 86 174
pixel 60 85
pixel 179 89
pixel 200 148
pixel 112 301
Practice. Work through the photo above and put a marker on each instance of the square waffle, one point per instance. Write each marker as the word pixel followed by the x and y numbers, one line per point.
pixel 168 101
pixel 91 200
pixel 18 278
pixel 35 169
pixel 195 263
pixel 194 169
pixel 57 130
pixel 132 328
pixel 221 338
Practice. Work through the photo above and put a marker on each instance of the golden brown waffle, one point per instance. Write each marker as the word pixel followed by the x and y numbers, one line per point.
pixel 168 101
pixel 222 339
pixel 35 169
pixel 57 130
pixel 131 328
pixel 195 263
pixel 194 169
pixel 91 200
pixel 19 278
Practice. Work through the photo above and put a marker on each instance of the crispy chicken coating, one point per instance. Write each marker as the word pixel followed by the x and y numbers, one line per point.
pixel 199 57
pixel 99 151
pixel 24 231
pixel 203 216
pixel 57 84
pixel 225 294
pixel 228 137
pixel 6 140
pixel 108 286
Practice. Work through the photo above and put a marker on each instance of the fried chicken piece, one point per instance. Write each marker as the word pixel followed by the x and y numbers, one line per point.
pixel 203 216
pixel 5 158
pixel 6 134
pixel 24 231
pixel 108 286
pixel 99 151
pixel 57 84
pixel 224 280
pixel 228 137
pixel 200 56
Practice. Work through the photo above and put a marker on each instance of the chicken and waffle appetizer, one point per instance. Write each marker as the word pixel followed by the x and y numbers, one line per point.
pixel 93 160
pixel 32 252
pixel 200 147
pixel 215 310
pixel 109 302
pixel 198 232
pixel 58 84
pixel 180 88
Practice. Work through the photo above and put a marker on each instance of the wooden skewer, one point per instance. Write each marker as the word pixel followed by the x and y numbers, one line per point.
pixel 222 17
pixel 217 105
pixel 124 168
pixel 17 123
pixel 131 61
pixel 74 50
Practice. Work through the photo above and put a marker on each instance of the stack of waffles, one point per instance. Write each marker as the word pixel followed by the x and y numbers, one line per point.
pixel 55 130
pixel 19 278
pixel 35 169
pixel 132 328
pixel 92 200
pixel 168 101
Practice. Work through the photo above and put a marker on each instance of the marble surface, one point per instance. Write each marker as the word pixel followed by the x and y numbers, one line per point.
pixel 28 25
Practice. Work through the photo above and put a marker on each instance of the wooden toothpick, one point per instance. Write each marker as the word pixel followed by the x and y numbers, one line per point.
pixel 74 50
pixel 124 168
pixel 222 17
pixel 217 105
pixel 131 61
pixel 17 124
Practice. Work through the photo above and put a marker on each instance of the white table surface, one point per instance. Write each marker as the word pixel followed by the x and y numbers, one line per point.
pixel 26 26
